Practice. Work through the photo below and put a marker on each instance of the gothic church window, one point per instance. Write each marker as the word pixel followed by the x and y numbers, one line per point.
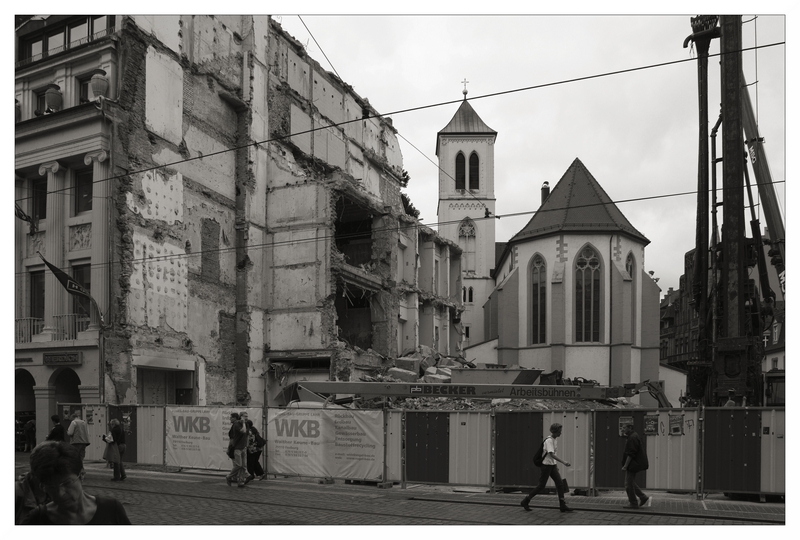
pixel 466 240
pixel 474 167
pixel 538 288
pixel 587 296
pixel 469 295
pixel 461 172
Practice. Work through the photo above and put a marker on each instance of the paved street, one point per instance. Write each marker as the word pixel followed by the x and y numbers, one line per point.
pixel 202 498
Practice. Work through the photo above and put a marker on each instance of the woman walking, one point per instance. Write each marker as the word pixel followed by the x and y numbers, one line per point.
pixel 255 445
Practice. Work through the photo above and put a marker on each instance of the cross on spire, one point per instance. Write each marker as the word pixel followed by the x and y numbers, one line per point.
pixel 464 82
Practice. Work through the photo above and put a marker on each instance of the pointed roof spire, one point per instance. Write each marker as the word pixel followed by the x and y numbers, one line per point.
pixel 465 121
pixel 578 203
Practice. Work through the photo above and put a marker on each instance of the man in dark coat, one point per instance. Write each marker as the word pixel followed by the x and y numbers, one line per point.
pixel 57 433
pixel 634 459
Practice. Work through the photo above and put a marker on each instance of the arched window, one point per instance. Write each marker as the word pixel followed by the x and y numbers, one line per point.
pixel 538 288
pixel 587 296
pixel 461 171
pixel 466 240
pixel 474 166
pixel 630 267
pixel 463 294
pixel 469 295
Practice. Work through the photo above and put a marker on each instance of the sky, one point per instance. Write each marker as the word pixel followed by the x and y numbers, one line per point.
pixel 636 132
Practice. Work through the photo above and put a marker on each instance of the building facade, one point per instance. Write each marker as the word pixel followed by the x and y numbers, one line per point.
pixel 229 204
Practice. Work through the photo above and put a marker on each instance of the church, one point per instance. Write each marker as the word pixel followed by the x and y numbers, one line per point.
pixel 567 292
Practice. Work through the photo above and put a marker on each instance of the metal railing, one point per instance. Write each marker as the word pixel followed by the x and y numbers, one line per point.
pixel 68 326
pixel 56 50
pixel 27 327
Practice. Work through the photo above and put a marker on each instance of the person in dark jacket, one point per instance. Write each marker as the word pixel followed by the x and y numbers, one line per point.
pixel 634 459
pixel 118 434
pixel 30 434
pixel 58 467
pixel 57 433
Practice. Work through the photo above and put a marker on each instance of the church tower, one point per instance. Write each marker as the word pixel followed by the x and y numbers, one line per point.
pixel 465 148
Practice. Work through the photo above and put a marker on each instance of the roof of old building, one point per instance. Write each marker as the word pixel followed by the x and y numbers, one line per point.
pixel 465 121
pixel 577 203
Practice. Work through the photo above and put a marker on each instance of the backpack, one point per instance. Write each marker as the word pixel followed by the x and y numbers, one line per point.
pixel 538 457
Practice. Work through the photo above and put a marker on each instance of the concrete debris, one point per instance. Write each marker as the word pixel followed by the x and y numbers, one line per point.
pixel 403 375
pixel 409 363
pixel 436 379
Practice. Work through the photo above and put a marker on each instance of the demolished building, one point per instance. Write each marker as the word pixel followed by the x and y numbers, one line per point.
pixel 234 209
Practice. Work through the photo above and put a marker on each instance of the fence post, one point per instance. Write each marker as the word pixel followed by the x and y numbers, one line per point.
pixel 164 439
pixel 385 483
pixel 403 450
pixel 592 448
pixel 700 462
pixel 492 450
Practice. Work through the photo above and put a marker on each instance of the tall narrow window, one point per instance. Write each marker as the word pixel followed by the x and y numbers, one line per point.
pixel 630 267
pixel 461 172
pixel 538 300
pixel 469 295
pixel 474 167
pixel 36 298
pixel 587 296
pixel 466 240
pixel 38 196
pixel 464 294
pixel 83 191
pixel 83 275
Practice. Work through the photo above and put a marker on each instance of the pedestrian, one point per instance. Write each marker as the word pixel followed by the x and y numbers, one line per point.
pixel 237 435
pixel 57 465
pixel 255 445
pixel 549 469
pixel 30 434
pixel 78 434
pixel 28 494
pixel 634 459
pixel 57 433
pixel 116 447
pixel 730 402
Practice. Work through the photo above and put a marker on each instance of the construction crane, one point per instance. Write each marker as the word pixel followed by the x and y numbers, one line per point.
pixel 732 311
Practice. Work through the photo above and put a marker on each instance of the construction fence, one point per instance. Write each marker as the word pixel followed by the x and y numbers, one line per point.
pixel 693 450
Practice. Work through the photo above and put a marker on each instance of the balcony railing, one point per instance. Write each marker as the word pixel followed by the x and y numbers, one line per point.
pixel 56 50
pixel 68 326
pixel 26 328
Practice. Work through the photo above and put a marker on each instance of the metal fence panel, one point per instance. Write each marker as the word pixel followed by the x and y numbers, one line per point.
pixel 773 451
pixel 470 447
pixel 394 446
pixel 518 435
pixel 150 436
pixel 427 447
pixel 96 417
pixel 610 445
pixel 573 445
pixel 732 450
pixel 673 450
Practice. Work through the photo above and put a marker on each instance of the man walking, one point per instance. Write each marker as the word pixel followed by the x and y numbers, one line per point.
pixel 550 470
pixel 57 433
pixel 238 441
pixel 78 434
pixel 634 459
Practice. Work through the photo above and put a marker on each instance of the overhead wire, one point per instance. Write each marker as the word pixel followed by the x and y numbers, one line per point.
pixel 403 111
pixel 265 245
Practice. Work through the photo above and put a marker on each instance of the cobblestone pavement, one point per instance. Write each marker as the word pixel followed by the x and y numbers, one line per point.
pixel 202 498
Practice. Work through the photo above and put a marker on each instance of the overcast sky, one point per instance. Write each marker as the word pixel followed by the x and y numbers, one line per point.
pixel 636 132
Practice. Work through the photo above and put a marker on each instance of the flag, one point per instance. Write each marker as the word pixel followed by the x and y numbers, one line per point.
pixel 72 286
pixel 20 213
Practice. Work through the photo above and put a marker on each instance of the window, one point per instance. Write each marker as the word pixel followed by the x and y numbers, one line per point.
pixel 587 296
pixel 39 198
pixel 464 294
pixel 36 297
pixel 469 295
pixel 83 191
pixel 77 32
pixel 466 240
pixel 55 42
pixel 630 267
pixel 774 363
pixel 85 90
pixel 83 275
pixel 466 332
pixel 538 300
pixel 460 172
pixel 474 166
pixel 41 104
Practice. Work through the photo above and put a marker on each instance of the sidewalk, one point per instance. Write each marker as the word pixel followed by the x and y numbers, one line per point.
pixel 671 505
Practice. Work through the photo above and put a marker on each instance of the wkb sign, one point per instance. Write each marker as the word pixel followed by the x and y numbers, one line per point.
pixel 197 437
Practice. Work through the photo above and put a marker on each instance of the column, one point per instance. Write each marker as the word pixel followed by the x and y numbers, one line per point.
pixel 55 298
pixel 89 393
pixel 45 397
pixel 100 223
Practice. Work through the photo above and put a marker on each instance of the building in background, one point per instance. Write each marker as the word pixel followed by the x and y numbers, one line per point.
pixel 233 208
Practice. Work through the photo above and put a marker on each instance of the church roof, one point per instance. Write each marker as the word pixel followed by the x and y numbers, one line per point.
pixel 577 203
pixel 465 121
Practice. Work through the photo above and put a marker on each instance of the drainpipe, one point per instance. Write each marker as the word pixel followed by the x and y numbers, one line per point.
pixel 610 310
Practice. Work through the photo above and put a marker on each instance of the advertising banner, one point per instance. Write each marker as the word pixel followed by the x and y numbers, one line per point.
pixel 328 443
pixel 197 437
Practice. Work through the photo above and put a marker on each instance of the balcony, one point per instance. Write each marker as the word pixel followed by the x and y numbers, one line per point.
pixel 67 327
pixel 26 328
pixel 69 46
